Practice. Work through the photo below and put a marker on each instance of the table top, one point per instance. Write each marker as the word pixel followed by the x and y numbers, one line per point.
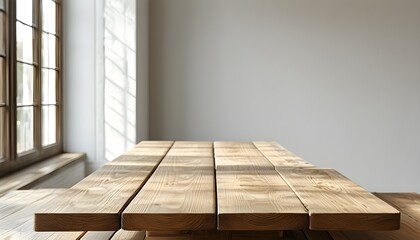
pixel 179 185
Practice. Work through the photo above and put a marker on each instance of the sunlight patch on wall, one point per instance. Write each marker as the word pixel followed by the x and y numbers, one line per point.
pixel 119 76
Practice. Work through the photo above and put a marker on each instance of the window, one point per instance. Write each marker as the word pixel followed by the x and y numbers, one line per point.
pixel 30 109
pixel 3 81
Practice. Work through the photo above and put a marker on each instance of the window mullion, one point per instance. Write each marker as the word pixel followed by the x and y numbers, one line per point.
pixel 4 57
pixel 12 83
pixel 59 130
pixel 38 70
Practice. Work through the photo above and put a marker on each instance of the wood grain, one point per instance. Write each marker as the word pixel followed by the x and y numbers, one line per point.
pixel 149 151
pixel 251 195
pixel 281 157
pixel 225 144
pixel 98 235
pixel 257 200
pixel 96 202
pixel 192 144
pixel 129 235
pixel 410 230
pixel 336 203
pixel 240 156
pixel 268 145
pixel 408 204
pixel 191 152
pixel 155 144
pixel 180 195
pixel 243 163
pixel 16 214
pixel 237 152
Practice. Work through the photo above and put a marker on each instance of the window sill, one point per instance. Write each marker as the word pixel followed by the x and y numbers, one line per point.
pixel 36 173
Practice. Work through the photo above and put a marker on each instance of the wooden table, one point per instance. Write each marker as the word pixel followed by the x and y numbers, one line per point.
pixel 162 186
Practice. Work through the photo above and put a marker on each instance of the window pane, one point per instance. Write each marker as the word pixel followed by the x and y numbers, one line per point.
pixel 25 84
pixel 2 131
pixel 2 80
pixel 25 129
pixel 2 5
pixel 49 16
pixel 24 43
pixel 48 86
pixel 2 34
pixel 48 125
pixel 48 50
pixel 24 11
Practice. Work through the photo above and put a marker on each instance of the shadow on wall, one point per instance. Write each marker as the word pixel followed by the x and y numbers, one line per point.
pixel 119 76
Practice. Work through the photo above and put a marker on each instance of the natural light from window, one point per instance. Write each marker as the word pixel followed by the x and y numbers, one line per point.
pixel 120 76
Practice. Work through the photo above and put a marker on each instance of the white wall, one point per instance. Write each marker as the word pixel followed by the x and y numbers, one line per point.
pixel 118 95
pixel 337 82
pixel 79 76
pixel 83 73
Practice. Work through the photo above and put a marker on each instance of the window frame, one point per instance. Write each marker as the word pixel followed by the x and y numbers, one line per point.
pixel 14 160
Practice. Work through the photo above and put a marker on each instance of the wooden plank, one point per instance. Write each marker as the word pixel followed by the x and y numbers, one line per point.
pixel 251 195
pixel 408 204
pixel 336 203
pixel 129 235
pixel 96 202
pixel 180 195
pixel 239 156
pixel 237 152
pixel 268 145
pixel 191 152
pixel 111 235
pixel 409 230
pixel 155 144
pixel 149 151
pixel 281 157
pixel 98 235
pixel 243 163
pixel 257 200
pixel 192 144
pixel 225 144
pixel 38 172
pixel 16 214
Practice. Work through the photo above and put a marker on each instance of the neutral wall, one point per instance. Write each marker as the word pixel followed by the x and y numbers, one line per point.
pixel 79 77
pixel 142 73
pixel 336 82
pixel 82 133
